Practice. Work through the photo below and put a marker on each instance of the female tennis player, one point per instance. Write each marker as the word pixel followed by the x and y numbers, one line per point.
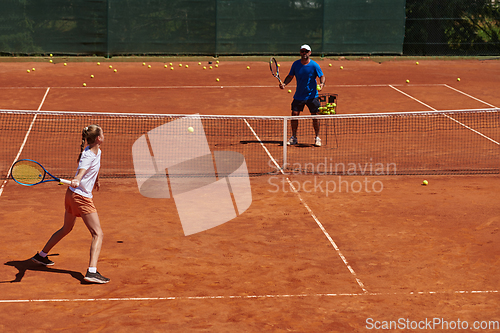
pixel 78 203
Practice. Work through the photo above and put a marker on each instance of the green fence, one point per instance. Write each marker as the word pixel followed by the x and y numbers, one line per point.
pixel 212 27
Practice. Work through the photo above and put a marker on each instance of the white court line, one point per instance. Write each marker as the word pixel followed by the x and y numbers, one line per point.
pixel 219 87
pixel 315 218
pixel 244 297
pixel 458 122
pixel 477 99
pixel 24 142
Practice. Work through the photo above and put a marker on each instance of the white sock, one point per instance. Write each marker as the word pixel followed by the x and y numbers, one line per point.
pixel 92 269
pixel 42 254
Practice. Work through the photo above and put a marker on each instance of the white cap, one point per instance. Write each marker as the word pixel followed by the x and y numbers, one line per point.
pixel 305 47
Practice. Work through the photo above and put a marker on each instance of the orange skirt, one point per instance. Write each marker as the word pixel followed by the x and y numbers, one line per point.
pixel 78 205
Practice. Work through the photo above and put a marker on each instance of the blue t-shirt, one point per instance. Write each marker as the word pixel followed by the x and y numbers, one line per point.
pixel 306 79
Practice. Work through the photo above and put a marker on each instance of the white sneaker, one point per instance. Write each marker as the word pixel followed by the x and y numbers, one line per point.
pixel 317 142
pixel 292 141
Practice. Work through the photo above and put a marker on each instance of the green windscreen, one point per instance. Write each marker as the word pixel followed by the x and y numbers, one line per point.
pixel 214 27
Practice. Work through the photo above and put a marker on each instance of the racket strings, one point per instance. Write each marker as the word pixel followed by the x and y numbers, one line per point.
pixel 274 67
pixel 28 173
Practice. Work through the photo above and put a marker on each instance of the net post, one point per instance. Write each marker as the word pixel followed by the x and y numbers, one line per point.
pixel 285 124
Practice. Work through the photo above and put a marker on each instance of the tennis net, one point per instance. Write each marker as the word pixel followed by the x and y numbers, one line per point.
pixel 437 142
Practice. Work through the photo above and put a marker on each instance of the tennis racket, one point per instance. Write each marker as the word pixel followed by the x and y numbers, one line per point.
pixel 273 64
pixel 28 173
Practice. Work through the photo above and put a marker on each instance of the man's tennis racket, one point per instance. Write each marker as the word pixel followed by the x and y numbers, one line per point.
pixel 28 172
pixel 273 64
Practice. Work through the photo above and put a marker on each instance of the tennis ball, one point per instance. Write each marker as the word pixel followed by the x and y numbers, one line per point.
pixel 166 66
pixel 425 182
pixel 318 87
pixel 458 79
pixel 407 81
pixel 33 69
pixel 210 67
pixel 199 63
pixel 341 67
pixel 217 61
pixel 204 67
pixel 217 79
pixel 190 129
pixel 149 66
pixel 84 84
pixel 50 61
pixel 216 66
pixel 171 68
pixel 110 66
pixel 170 64
pixel 187 66
pixel 91 76
pixel 330 65
pixel 416 63
pixel 180 65
pixel 65 64
pixel 98 64
pixel 248 67
pixel 115 70
pixel 144 64
pixel 289 91
pixel 27 71
pixel 50 54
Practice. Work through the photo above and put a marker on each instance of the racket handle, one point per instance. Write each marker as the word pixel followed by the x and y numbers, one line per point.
pixel 65 181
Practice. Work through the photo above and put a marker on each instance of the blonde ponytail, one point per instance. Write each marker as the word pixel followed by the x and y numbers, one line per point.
pixel 89 135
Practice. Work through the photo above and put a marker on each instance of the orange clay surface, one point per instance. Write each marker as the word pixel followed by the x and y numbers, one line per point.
pixel 304 261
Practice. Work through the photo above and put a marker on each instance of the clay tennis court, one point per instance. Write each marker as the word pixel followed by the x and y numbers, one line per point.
pixel 299 259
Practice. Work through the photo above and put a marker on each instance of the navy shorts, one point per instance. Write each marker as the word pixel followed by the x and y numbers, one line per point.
pixel 312 104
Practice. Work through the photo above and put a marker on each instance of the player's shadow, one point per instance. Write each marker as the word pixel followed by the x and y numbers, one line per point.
pixel 28 265
pixel 279 143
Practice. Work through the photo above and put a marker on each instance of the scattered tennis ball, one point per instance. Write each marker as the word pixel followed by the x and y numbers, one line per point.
pixel 204 67
pixel 65 64
pixel 50 61
pixel 425 182
pixel 27 71
pixel 50 54
pixel 187 66
pixel 289 91
pixel 330 65
pixel 217 61
pixel 166 66
pixel 91 76
pixel 416 63
pixel 149 66
pixel 180 65
pixel 217 79
pixel 341 67
pixel 199 63
pixel 171 68
pixel 110 66
pixel 115 70
pixel 407 81
pixel 84 84
pixel 190 129
pixel 216 66
pixel 170 64
pixel 458 79
pixel 33 69
pixel 144 64
pixel 98 64
pixel 248 67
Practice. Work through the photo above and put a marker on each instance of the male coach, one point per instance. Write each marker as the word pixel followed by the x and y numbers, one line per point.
pixel 305 71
